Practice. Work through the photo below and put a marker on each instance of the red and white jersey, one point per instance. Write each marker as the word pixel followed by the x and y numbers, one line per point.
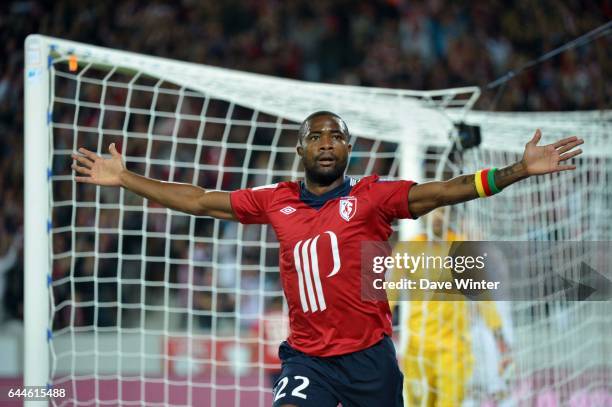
pixel 320 260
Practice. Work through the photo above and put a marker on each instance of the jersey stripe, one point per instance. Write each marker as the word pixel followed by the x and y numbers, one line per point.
pixel 335 252
pixel 315 273
pixel 298 268
pixel 268 186
pixel 311 295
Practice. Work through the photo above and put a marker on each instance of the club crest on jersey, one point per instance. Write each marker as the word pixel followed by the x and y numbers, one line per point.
pixel 348 207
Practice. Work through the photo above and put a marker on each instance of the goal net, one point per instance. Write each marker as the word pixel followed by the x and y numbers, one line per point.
pixel 129 303
pixel 559 347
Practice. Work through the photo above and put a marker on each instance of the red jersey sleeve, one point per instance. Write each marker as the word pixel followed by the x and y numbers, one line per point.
pixel 392 198
pixel 251 205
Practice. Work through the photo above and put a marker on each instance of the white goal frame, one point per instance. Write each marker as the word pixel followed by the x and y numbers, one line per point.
pixel 37 242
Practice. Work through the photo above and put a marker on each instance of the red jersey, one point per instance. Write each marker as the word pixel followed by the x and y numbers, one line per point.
pixel 320 261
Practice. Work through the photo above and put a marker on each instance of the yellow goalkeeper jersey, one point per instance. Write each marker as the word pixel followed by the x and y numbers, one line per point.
pixel 440 324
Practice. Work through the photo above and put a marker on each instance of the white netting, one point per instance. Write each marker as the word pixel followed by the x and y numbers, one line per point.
pixel 155 307
pixel 150 306
pixel 560 348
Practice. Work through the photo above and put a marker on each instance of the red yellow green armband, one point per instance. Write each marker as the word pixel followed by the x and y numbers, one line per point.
pixel 485 182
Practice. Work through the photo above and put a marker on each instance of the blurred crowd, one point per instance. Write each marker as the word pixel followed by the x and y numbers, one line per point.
pixel 393 43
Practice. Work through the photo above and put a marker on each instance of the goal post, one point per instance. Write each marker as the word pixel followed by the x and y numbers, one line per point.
pixel 37 214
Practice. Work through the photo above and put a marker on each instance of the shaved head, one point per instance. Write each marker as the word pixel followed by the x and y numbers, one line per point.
pixel 305 127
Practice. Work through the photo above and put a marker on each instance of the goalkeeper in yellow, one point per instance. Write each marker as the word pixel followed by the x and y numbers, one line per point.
pixel 437 355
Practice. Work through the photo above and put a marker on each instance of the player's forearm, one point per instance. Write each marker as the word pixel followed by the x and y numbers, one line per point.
pixel 428 196
pixel 458 189
pixel 173 195
pixel 463 188
pixel 510 174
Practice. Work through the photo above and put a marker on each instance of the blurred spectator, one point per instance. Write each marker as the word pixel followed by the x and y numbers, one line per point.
pixel 8 260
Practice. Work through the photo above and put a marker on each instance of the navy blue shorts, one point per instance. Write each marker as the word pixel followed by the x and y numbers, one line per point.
pixel 367 378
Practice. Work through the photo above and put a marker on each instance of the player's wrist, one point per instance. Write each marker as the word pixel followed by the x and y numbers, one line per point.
pixel 484 180
pixel 122 177
pixel 511 174
pixel 523 170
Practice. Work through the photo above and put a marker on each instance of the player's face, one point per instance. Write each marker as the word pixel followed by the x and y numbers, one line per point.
pixel 325 150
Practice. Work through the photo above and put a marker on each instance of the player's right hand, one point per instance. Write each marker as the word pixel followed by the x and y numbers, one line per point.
pixel 97 170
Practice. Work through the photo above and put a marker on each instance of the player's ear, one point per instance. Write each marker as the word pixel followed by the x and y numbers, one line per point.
pixel 300 150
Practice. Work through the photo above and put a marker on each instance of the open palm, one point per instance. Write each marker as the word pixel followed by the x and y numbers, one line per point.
pixel 549 158
pixel 97 170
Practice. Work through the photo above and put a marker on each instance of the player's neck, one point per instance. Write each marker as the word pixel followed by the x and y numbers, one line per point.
pixel 319 189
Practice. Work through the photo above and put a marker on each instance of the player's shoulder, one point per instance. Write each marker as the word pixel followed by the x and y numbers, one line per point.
pixel 284 187
pixel 372 182
pixel 381 189
pixel 267 187
pixel 364 182
pixel 278 186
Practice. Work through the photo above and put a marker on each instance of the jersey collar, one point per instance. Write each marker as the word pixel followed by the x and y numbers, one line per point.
pixel 317 201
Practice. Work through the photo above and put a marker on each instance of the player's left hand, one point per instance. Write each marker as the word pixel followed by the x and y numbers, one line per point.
pixel 548 159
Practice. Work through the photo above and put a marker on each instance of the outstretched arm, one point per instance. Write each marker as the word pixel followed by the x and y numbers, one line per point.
pixel 537 160
pixel 178 196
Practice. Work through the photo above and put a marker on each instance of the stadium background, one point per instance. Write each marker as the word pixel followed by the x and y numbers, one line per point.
pixel 425 45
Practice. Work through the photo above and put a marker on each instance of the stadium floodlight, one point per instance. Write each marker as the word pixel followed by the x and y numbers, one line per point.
pixel 129 303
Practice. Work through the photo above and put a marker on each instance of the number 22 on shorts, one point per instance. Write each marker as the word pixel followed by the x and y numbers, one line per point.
pixel 296 392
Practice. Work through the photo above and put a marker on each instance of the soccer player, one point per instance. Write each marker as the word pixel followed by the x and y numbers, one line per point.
pixel 339 348
pixel 437 357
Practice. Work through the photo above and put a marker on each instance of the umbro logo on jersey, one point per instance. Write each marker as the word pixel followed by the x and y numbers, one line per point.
pixel 348 207
pixel 288 210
